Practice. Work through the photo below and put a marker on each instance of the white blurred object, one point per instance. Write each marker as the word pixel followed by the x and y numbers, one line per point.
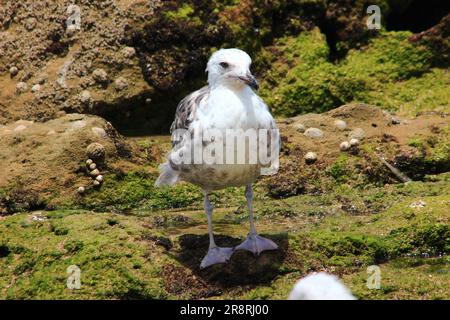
pixel 320 286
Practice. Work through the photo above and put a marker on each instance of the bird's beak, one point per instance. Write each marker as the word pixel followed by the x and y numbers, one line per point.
pixel 250 80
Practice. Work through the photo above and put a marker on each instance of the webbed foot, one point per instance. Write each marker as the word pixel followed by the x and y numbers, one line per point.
pixel 216 255
pixel 257 244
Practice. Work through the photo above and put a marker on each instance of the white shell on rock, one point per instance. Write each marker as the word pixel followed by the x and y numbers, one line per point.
pixel 340 124
pixel 314 133
pixel 36 88
pixel 13 71
pixel 96 183
pixel 354 142
pixel 89 162
pixel 100 75
pixel 345 145
pixel 121 83
pixel 81 190
pixel 395 120
pixel 99 178
pixel 95 173
pixel 21 87
pixel 310 157
pixel 128 52
pixel 92 166
pixel 85 96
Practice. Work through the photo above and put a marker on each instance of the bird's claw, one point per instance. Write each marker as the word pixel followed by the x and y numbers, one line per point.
pixel 257 244
pixel 216 255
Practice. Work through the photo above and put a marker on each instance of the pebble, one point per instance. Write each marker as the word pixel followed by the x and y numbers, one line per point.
pixel 340 124
pixel 95 173
pixel 81 190
pixel 89 162
pixel 96 183
pixel 313 133
pixel 99 178
pixel 92 166
pixel 344 146
pixel 310 157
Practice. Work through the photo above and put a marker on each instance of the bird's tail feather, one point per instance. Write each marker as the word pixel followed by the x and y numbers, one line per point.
pixel 167 176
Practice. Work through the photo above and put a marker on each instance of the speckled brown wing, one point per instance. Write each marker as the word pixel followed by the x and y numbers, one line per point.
pixel 187 108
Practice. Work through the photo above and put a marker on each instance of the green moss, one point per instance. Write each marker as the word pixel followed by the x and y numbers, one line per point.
pixel 183 12
pixel 136 189
pixel 389 72
pixel 338 169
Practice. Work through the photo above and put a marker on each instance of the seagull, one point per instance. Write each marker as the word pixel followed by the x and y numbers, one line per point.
pixel 320 286
pixel 227 103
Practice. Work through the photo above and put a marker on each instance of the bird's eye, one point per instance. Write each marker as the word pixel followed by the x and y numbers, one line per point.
pixel 224 65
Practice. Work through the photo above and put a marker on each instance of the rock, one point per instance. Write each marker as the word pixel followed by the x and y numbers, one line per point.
pixel 89 162
pixel 310 157
pixel 344 146
pixel 354 142
pixel 71 30
pixel 314 133
pixel 357 133
pixel 340 124
pixel 21 87
pixel 100 76
pixel 99 178
pixel 96 152
pixel 36 88
pixel 300 127
pixel 92 166
pixel 120 84
pixel 13 71
pixel 81 190
pixel 96 183
pixel 128 52
pixel 85 96
pixel 94 173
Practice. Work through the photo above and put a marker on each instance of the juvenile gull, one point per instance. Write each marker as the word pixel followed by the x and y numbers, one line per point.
pixel 226 103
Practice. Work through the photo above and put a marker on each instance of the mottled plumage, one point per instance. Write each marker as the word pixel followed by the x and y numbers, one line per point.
pixel 227 103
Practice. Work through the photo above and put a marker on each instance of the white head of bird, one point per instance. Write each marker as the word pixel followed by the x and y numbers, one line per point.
pixel 231 68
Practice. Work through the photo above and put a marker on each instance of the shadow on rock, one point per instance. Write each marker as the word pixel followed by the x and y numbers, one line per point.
pixel 243 267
